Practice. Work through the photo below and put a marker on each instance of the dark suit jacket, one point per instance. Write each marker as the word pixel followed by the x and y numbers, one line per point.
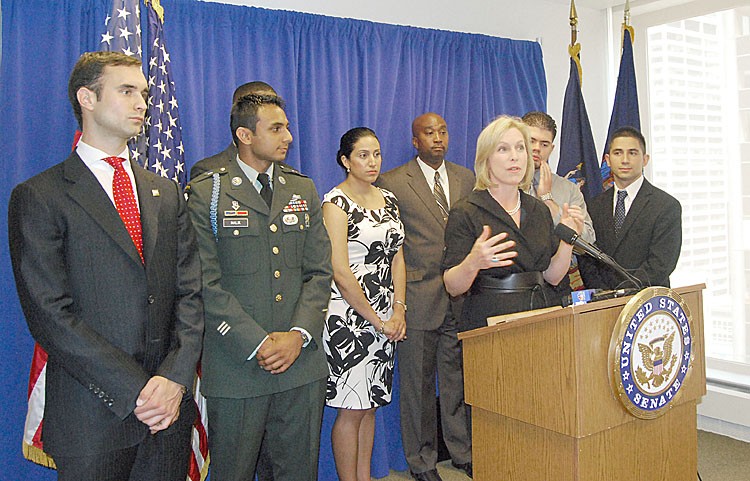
pixel 209 164
pixel 108 322
pixel 423 246
pixel 269 270
pixel 649 242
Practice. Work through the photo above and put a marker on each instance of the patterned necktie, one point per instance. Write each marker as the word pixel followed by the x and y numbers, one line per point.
pixel 439 194
pixel 620 210
pixel 265 192
pixel 122 190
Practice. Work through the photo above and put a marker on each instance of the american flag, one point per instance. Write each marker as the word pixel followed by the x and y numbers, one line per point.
pixel 158 148
pixel 166 155
pixel 122 33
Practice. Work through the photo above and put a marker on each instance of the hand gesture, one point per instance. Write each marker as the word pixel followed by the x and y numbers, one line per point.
pixel 488 252
pixel 572 216
pixel 545 180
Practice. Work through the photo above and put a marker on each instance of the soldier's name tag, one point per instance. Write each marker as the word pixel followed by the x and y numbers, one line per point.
pixel 291 219
pixel 235 222
pixel 235 213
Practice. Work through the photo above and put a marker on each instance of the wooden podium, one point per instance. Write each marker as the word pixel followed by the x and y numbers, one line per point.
pixel 543 407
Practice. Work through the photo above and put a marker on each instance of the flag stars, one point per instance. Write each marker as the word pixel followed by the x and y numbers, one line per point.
pixel 123 13
pixel 107 37
pixel 173 104
pixel 125 33
pixel 163 87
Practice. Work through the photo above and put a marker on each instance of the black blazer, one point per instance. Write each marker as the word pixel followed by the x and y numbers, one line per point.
pixel 107 321
pixel 649 242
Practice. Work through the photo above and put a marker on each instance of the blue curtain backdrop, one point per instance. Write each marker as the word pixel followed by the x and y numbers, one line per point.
pixel 334 73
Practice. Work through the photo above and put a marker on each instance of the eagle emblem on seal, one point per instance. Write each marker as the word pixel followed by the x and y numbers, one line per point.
pixel 658 361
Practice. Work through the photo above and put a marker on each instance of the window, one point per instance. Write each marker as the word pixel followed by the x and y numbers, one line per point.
pixel 700 138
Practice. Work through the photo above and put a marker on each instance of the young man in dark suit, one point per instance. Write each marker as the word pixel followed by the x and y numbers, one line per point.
pixel 432 346
pixel 637 224
pixel 267 272
pixel 108 276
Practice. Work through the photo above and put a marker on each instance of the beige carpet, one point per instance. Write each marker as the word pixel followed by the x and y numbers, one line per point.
pixel 719 459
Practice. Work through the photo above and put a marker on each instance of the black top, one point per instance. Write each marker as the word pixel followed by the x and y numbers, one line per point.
pixel 536 243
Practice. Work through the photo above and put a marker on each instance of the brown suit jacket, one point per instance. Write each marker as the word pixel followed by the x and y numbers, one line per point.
pixel 425 231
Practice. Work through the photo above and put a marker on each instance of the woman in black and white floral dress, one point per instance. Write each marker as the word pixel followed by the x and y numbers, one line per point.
pixel 366 313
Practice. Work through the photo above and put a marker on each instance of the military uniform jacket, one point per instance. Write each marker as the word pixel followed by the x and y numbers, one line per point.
pixel 264 270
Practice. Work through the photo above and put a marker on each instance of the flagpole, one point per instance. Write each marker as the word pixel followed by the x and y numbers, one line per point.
pixel 574 49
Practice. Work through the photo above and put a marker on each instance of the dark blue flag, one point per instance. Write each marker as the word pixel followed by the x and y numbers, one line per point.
pixel 625 109
pixel 578 160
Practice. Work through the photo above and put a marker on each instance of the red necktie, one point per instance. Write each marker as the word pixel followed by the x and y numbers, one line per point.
pixel 125 203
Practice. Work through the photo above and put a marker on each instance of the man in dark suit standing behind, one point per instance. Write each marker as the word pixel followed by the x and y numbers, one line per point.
pixel 426 187
pixel 637 224
pixel 108 276
pixel 223 158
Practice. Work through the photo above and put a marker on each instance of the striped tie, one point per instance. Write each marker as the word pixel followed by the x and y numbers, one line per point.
pixel 439 194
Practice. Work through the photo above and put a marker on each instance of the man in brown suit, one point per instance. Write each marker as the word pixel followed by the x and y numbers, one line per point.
pixel 432 346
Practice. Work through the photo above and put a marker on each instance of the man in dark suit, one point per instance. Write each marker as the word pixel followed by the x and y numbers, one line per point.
pixel 432 345
pixel 637 224
pixel 108 276
pixel 223 158
pixel 266 262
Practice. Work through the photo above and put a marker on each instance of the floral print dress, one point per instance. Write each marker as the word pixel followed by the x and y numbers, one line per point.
pixel 360 360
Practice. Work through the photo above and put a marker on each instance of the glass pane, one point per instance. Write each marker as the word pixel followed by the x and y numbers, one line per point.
pixel 699 76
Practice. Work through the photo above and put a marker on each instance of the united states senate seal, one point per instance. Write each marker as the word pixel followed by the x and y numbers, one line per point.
pixel 651 352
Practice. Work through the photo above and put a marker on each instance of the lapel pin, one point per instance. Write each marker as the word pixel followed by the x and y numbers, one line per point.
pixel 282 180
pixel 236 181
pixel 155 192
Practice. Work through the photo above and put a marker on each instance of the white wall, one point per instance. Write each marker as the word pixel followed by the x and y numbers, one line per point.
pixel 522 20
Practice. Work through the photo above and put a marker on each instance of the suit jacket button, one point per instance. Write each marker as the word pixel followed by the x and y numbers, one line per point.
pixel 275 250
pixel 273 227
pixel 151 299
pixel 276 274
pixel 279 298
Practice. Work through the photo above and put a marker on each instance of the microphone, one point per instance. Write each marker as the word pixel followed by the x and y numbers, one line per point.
pixel 569 236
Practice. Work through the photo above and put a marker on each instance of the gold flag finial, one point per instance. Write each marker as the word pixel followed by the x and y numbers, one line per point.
pixel 626 19
pixel 573 23
pixel 157 8
pixel 626 25
pixel 574 50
